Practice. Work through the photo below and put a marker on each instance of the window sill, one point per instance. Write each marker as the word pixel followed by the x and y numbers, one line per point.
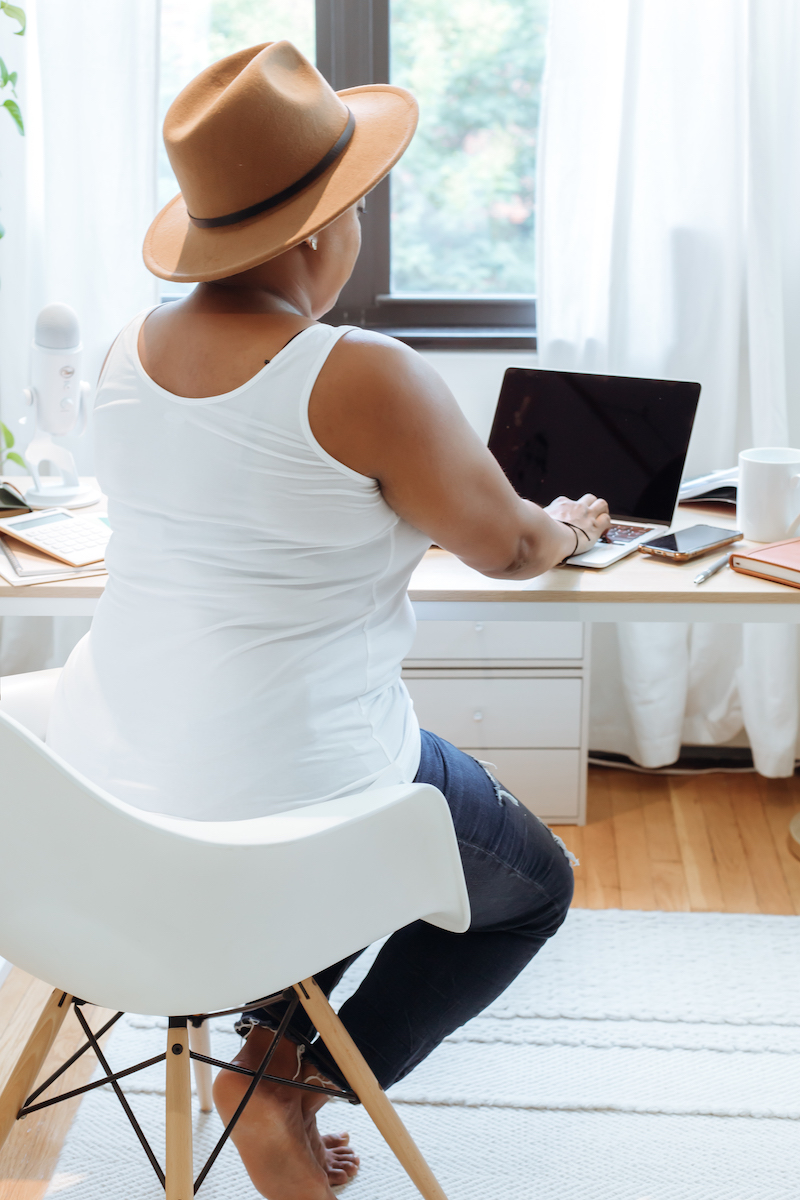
pixel 462 337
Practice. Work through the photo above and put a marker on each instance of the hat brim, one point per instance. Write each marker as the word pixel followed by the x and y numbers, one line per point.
pixel 175 249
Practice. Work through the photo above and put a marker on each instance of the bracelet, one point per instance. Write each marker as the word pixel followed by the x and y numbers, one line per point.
pixel 576 529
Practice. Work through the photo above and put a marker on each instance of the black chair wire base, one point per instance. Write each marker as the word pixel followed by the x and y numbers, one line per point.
pixel 112 1077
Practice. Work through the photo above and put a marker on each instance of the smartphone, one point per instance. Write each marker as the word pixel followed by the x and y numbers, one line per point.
pixel 685 544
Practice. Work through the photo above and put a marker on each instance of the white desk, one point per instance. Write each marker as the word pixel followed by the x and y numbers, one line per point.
pixel 638 588
pixel 520 701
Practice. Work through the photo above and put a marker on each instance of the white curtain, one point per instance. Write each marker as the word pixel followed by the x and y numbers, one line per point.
pixel 669 247
pixel 77 194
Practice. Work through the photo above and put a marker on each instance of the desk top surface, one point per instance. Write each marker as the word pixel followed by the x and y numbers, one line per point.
pixel 639 578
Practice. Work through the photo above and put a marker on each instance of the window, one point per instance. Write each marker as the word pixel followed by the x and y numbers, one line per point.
pixel 449 245
pixel 462 197
pixel 195 33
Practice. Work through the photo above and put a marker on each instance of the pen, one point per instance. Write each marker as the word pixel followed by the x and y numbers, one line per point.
pixel 712 570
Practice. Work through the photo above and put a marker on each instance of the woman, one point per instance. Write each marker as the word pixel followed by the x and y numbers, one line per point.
pixel 272 483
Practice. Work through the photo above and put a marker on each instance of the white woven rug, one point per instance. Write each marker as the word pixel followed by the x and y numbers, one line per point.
pixel 641 1056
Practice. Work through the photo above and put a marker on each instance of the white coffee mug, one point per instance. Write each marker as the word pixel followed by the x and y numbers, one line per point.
pixel 768 494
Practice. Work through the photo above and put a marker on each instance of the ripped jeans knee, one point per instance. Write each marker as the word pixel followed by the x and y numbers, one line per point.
pixel 504 796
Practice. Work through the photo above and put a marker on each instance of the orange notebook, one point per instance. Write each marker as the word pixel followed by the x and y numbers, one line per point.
pixel 779 561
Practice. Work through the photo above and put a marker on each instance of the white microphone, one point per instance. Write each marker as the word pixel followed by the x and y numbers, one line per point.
pixel 60 399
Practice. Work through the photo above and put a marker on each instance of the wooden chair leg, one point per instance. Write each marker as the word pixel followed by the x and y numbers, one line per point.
pixel 179 1170
pixel 361 1079
pixel 22 1076
pixel 200 1042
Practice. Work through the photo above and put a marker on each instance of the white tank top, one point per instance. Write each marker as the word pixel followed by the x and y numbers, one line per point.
pixel 245 657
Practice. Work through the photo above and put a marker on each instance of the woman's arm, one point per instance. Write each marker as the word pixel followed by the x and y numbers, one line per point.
pixel 380 409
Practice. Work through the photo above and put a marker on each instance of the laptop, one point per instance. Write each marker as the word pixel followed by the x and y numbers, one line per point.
pixel 563 433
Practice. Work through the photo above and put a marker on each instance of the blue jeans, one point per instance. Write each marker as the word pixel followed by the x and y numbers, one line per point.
pixel 426 982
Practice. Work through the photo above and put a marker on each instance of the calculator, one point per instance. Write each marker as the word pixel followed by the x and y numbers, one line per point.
pixel 77 540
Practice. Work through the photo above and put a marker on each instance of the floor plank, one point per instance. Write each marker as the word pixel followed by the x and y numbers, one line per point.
pixel 669 887
pixel 666 864
pixel 781 801
pixel 764 864
pixel 600 861
pixel 733 870
pixel 572 837
pixel 659 820
pixel 697 855
pixel 30 1155
pixel 12 996
pixel 633 860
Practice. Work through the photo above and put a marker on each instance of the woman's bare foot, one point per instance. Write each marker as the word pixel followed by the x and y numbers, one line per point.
pixel 276 1137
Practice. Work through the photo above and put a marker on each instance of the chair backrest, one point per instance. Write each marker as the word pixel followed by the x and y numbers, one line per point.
pixel 154 914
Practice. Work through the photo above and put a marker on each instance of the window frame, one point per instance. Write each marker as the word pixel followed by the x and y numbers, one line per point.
pixel 352 42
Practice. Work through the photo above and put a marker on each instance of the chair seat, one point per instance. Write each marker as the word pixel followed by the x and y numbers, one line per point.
pixel 104 907
pixel 27 698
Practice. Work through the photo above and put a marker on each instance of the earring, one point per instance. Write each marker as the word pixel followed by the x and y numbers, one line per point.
pixel 312 241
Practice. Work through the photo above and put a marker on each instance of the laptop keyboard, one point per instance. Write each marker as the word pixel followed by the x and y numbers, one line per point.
pixel 619 535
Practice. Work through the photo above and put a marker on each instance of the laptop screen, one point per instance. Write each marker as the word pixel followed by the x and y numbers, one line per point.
pixel 561 433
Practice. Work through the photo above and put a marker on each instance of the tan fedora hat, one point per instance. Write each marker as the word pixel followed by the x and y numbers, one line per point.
pixel 266 154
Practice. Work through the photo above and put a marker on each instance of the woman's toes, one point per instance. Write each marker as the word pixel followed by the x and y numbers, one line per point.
pixel 334 1154
pixel 335 1141
pixel 340 1172
pixel 348 1164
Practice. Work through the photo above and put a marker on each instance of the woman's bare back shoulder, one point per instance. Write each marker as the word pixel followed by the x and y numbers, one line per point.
pixel 197 354
pixel 371 389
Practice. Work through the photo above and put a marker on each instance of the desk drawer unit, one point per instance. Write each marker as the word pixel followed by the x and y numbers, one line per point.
pixel 518 643
pixel 513 693
pixel 473 710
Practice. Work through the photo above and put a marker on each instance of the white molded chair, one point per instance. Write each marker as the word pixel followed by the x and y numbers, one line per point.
pixel 95 895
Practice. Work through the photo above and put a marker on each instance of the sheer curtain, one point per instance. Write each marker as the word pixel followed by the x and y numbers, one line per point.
pixel 78 192
pixel 669 246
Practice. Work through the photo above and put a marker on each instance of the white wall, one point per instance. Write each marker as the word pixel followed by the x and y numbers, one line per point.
pixel 474 377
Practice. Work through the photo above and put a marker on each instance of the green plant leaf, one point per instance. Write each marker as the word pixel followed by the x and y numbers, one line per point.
pixel 16 13
pixel 18 459
pixel 16 115
pixel 4 75
pixel 2 231
pixel 8 436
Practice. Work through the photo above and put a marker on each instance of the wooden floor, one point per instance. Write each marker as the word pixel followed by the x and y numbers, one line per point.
pixel 713 843
pixel 29 1157
pixel 696 843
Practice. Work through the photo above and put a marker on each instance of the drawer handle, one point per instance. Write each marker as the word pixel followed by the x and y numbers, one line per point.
pixel 477 716
pixel 479 627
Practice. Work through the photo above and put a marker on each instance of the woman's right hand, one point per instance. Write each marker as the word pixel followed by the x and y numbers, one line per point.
pixel 589 515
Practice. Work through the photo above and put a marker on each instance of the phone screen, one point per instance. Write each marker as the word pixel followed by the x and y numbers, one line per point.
pixel 686 541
